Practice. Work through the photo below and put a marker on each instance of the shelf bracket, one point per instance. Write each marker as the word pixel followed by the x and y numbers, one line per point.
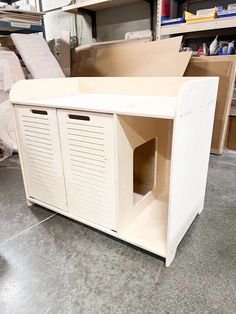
pixel 43 24
pixel 92 15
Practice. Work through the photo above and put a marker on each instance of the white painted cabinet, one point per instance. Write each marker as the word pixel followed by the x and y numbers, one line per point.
pixel 88 155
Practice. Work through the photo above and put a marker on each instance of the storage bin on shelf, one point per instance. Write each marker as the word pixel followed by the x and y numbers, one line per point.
pixel 192 18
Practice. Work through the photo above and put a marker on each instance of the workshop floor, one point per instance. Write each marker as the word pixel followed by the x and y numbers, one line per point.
pixel 51 264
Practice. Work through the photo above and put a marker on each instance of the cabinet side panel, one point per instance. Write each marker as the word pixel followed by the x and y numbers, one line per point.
pixel 41 154
pixel 190 156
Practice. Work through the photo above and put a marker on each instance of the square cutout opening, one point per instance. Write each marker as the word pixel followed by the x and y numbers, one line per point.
pixel 144 164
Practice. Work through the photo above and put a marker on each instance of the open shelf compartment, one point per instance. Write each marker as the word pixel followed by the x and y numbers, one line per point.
pixel 143 191
pixel 149 229
pixel 8 27
pixel 197 27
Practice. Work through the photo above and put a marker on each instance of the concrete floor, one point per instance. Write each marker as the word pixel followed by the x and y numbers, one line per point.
pixel 51 264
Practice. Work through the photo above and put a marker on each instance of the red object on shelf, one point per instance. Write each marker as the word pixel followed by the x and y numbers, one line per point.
pixel 165 10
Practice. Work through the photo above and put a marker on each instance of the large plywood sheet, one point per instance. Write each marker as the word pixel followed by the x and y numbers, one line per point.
pixel 224 68
pixel 83 57
pixel 149 64
pixel 127 58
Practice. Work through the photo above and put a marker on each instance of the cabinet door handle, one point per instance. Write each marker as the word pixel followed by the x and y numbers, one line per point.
pixel 79 117
pixel 43 112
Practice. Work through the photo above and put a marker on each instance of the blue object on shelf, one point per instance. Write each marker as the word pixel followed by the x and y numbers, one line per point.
pixel 228 14
pixel 225 13
pixel 167 21
pixel 7 28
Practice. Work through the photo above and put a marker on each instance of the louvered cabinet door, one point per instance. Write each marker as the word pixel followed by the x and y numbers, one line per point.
pixel 88 154
pixel 41 154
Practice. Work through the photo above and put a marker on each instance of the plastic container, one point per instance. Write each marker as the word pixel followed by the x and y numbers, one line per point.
pixel 165 9
pixel 192 18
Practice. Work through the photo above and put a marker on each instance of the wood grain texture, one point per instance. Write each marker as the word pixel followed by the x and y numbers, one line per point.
pixel 225 69
pixel 131 59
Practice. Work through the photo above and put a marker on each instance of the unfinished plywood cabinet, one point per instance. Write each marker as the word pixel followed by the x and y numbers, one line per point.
pixel 128 156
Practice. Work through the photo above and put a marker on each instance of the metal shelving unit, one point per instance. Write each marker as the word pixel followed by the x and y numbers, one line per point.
pixel 8 27
pixel 226 25
pixel 9 1
pixel 218 23
pixel 90 7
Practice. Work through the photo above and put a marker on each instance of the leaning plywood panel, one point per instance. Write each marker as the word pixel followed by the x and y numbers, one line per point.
pixel 190 157
pixel 225 68
pixel 84 59
pixel 37 56
pixel 40 152
pixel 171 45
pixel 88 154
pixel 169 64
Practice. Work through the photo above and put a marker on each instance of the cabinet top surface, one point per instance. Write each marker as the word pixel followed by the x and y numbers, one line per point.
pixel 147 106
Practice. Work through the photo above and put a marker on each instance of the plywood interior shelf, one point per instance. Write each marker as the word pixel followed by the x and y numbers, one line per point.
pixel 149 229
pixel 219 23
pixel 119 154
